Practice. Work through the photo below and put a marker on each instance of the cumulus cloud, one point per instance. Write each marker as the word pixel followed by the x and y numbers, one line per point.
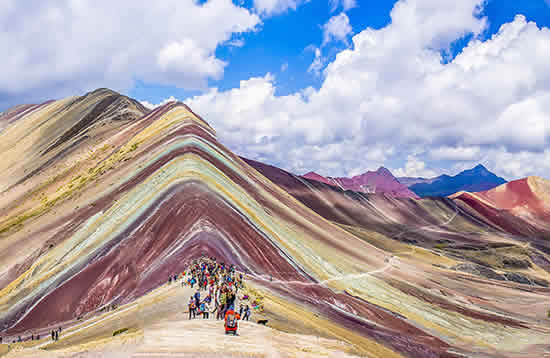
pixel 190 61
pixel 414 168
pixel 150 105
pixel 337 28
pixel 318 62
pixel 393 94
pixel 346 4
pixel 455 153
pixel 520 164
pixel 57 48
pixel 272 7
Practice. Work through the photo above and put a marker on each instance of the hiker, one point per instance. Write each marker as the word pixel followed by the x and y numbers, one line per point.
pixel 222 306
pixel 230 324
pixel 169 279
pixel 246 313
pixel 206 310
pixel 53 335
pixel 192 307
pixel 230 304
pixel 57 335
pixel 197 298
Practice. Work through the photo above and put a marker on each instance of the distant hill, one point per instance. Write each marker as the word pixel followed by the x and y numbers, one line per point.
pixel 380 181
pixel 527 198
pixel 472 180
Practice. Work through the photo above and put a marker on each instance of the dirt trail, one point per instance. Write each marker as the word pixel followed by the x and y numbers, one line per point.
pixel 175 335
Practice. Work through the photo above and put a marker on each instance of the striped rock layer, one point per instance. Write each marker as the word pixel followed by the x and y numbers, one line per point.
pixel 103 199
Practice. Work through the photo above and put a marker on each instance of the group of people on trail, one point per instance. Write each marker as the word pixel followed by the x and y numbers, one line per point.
pixel 245 309
pixel 34 337
pixel 219 284
pixel 55 334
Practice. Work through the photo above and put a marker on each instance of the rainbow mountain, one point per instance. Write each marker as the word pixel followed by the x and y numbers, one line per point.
pixel 103 199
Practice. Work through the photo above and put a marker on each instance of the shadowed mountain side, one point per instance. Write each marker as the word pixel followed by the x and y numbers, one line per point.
pixel 456 220
pixel 393 217
pixel 475 179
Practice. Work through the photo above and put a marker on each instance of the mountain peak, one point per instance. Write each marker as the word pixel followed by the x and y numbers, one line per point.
pixel 384 171
pixel 480 168
pixel 102 90
pixel 479 178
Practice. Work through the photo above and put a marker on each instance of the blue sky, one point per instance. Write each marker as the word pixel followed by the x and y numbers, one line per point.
pixel 285 39
pixel 422 87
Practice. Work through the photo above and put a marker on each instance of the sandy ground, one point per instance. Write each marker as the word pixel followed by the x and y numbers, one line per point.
pixel 198 338
pixel 158 326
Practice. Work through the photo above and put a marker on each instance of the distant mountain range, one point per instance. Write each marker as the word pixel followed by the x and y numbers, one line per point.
pixel 472 180
pixel 380 181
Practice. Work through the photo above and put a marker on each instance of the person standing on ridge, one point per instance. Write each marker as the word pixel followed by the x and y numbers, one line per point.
pixel 246 313
pixel 192 307
pixel 231 324
pixel 206 311
pixel 197 298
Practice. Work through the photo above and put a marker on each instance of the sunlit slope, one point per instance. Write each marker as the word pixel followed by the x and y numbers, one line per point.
pixel 160 190
pixel 527 198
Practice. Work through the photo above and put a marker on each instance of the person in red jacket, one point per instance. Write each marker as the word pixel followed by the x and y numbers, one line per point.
pixel 231 318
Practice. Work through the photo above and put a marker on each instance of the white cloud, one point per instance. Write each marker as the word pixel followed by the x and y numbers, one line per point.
pixel 190 61
pixel 346 4
pixel 57 48
pixel 337 28
pixel 392 92
pixel 284 67
pixel 520 164
pixel 163 102
pixel 455 153
pixel 273 7
pixel 318 63
pixel 415 168
pixel 236 42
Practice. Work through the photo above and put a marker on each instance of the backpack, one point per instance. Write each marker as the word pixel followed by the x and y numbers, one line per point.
pixel 231 321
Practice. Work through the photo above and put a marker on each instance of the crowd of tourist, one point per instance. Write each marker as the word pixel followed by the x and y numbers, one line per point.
pixel 217 285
